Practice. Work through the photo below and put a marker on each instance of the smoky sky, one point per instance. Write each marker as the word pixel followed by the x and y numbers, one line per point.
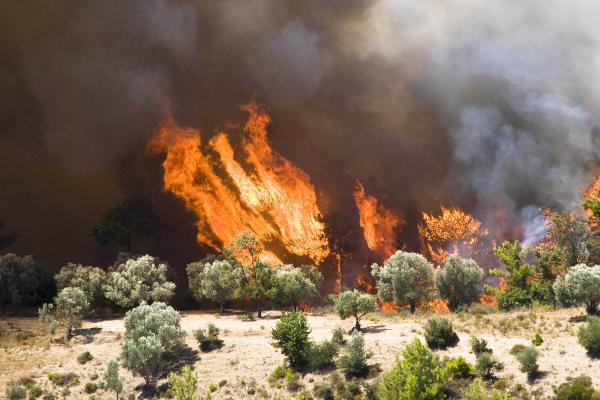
pixel 488 106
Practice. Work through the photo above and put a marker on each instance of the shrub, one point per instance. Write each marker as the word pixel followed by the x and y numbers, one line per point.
pixel 513 297
pixel 90 387
pixel 353 303
pixel 49 396
pixel 439 333
pixel 354 359
pixel 291 336
pixel 477 390
pixel 581 285
pixel 276 376
pixel 417 375
pixel 293 285
pixel 209 339
pixel 60 379
pixel 260 284
pixel 321 355
pixel 528 360
pixel 24 282
pixel 589 336
pixel 68 310
pixel 459 281
pixel 537 339
pixel 185 384
pixel 579 388
pixel 337 337
pixel 479 346
pixel 480 309
pixel 88 279
pixel 324 392
pixel 405 278
pixel 15 392
pixel 486 366
pixel 151 331
pixel 517 348
pixel 292 380
pixel 459 368
pixel 112 381
pixel 34 392
pixel 84 357
pixel 219 281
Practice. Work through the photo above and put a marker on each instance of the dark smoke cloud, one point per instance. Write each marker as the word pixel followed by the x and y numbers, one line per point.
pixel 490 106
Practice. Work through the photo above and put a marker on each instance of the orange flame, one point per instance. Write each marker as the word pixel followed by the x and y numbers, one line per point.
pixel 268 196
pixel 364 284
pixel 439 306
pixel 378 223
pixel 489 300
pixel 453 229
pixel 389 306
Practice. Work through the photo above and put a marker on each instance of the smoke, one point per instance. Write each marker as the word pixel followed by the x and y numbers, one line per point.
pixel 488 106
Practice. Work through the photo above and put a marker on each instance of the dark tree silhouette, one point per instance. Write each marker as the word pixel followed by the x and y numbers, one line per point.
pixel 6 239
pixel 135 216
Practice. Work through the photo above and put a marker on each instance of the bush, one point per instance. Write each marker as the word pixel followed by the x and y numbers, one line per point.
pixel 513 297
pixel 34 392
pixel 15 392
pixel 353 303
pixel 292 285
pixel 417 375
pixel 337 337
pixel 439 333
pixel 486 366
pixel 209 339
pixel 354 359
pixel 324 392
pixel 84 357
pixel 579 388
pixel 477 390
pixel 70 306
pixel 479 346
pixel 459 368
pixel 90 387
pixel 517 348
pixel 219 281
pixel 112 381
pixel 60 379
pixel 459 281
pixel 480 309
pixel 276 376
pixel 291 336
pixel 589 336
pixel 405 278
pixel 24 282
pixel 528 360
pixel 537 339
pixel 292 380
pixel 581 285
pixel 143 279
pixel 184 385
pixel 321 355
pixel 49 396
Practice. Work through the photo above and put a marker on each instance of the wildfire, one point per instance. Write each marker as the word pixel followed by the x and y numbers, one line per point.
pixel 453 229
pixel 263 193
pixel 378 223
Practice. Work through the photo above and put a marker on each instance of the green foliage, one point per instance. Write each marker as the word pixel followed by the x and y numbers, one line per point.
pixel 459 281
pixel 260 285
pixel 135 216
pixel 581 285
pixel 321 355
pixel 184 385
pixel 569 234
pixel 579 388
pixel 143 279
pixel 337 337
pixel 34 392
pixel 24 282
pixel 277 376
pixel 589 336
pixel 517 348
pixel 324 392
pixel 405 278
pixel 90 387
pixel 291 336
pixel 528 361
pixel 70 306
pixel 537 339
pixel 15 392
pixel 150 332
pixel 439 333
pixel 208 340
pixel 292 286
pixel 353 303
pixel 88 279
pixel 219 281
pixel 353 360
pixel 477 390
pixel 417 376
pixel 517 276
pixel 61 379
pixel 513 297
pixel 84 357
pixel 459 368
pixel 49 396
pixel 479 346
pixel 112 381
pixel 486 366
pixel 292 380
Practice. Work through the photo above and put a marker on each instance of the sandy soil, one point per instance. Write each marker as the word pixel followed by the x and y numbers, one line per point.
pixel 247 358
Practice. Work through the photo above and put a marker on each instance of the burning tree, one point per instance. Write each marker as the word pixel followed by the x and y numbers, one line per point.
pixel 452 231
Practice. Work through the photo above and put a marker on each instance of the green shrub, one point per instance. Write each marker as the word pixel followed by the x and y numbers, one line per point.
pixel 212 387
pixel 292 380
pixel 517 348
pixel 589 336
pixel 439 333
pixel 60 379
pixel 486 366
pixel 15 392
pixel 90 387
pixel 324 392
pixel 277 376
pixel 321 355
pixel 528 360
pixel 479 346
pixel 291 336
pixel 579 388
pixel 354 303
pixel 184 386
pixel 513 297
pixel 84 357
pixel 459 368
pixel 354 359
pixel 338 337
pixel 537 339
pixel 49 396
pixel 34 392
pixel 208 340
pixel 26 381
pixel 458 282
pixel 480 309
pixel 112 381
pixel 477 390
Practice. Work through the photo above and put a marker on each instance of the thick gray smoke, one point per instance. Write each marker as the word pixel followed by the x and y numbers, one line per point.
pixel 489 106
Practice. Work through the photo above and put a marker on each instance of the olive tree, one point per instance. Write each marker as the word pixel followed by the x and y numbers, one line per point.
pixel 24 282
pixel 260 285
pixel 138 280
pixel 112 380
pixel 292 285
pixel 354 303
pixel 581 285
pixel 459 281
pixel 70 306
pixel 88 279
pixel 219 281
pixel 405 278
pixel 151 332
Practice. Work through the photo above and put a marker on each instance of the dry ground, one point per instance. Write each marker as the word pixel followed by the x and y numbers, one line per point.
pixel 247 358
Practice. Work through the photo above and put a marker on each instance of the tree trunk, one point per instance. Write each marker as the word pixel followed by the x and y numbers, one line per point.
pixel 258 309
pixel 413 307
pixel 357 324
pixel 592 308
pixel 69 333
pixel 222 310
